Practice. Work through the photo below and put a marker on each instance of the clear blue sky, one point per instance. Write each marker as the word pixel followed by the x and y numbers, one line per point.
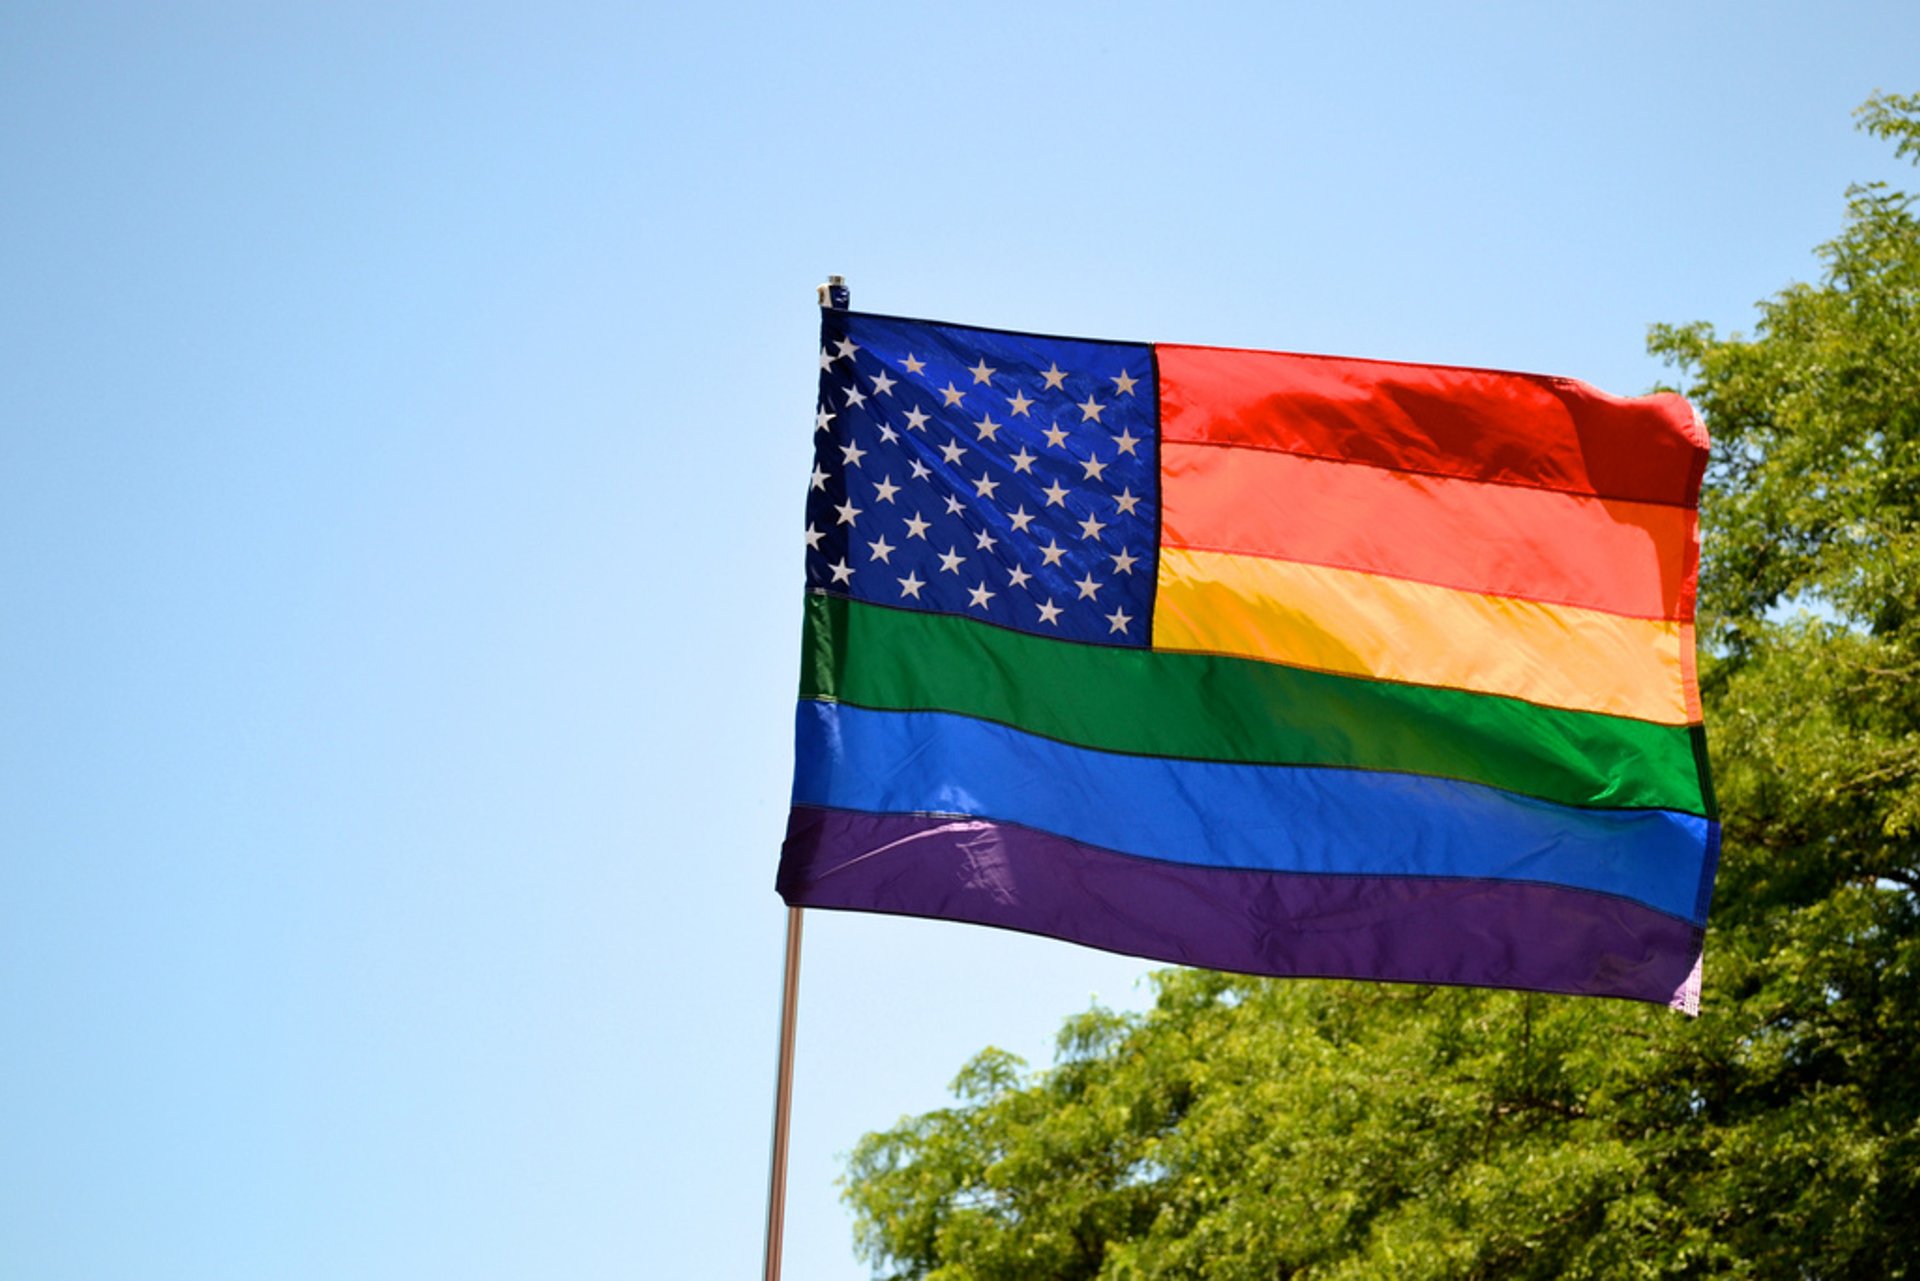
pixel 405 413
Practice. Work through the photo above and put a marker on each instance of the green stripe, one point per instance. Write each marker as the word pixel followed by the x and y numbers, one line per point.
pixel 1208 707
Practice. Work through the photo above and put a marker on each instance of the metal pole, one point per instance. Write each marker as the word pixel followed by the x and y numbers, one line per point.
pixel 783 1098
pixel 833 295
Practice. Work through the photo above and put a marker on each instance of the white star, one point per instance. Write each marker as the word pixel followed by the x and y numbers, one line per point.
pixel 854 397
pixel 954 506
pixel 1092 467
pixel 1017 404
pixel 950 563
pixel 984 540
pixel 985 486
pixel 913 366
pixel 813 537
pixel 911 585
pixel 1091 527
pixel 1018 577
pixel 888 436
pixel 819 477
pixel 916 419
pixel 1124 562
pixel 847 512
pixel 987 427
pixel 1127 502
pixel 1055 377
pixel 917 528
pixel 1020 519
pixel 1119 618
pixel 920 470
pixel 951 451
pixel 821 419
pixel 846 348
pixel 1090 410
pixel 1056 496
pixel 851 454
pixel 1052 552
pixel 882 385
pixel 881 548
pixel 1056 436
pixel 842 572
pixel 1125 442
pixel 980 595
pixel 1023 461
pixel 885 490
pixel 1124 384
pixel 826 361
pixel 982 373
pixel 1088 587
pixel 953 394
pixel 1050 612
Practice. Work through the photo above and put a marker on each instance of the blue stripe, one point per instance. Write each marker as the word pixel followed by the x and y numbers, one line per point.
pixel 1269 818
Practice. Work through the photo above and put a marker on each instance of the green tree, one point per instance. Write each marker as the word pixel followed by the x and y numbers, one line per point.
pixel 1244 1128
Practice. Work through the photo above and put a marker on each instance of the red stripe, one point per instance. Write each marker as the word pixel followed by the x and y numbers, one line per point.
pixel 1566 549
pixel 1479 424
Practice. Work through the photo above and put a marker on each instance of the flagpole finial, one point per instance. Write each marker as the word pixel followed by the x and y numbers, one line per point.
pixel 834 294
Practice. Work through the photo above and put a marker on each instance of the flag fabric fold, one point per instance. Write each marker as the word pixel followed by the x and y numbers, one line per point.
pixel 1290 665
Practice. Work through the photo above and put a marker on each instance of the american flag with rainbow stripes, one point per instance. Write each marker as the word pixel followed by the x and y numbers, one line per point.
pixel 1268 662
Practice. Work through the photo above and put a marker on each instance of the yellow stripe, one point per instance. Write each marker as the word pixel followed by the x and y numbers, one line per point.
pixel 1339 620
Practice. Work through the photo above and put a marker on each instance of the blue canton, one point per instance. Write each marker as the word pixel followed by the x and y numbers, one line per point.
pixel 997 476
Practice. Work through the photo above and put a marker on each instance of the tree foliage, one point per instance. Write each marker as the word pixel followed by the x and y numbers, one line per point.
pixel 1242 1128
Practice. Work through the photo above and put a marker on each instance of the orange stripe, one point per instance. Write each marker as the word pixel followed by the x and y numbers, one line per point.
pixel 1336 620
pixel 1571 549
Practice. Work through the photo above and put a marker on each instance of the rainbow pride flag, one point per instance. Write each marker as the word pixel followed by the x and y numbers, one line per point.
pixel 1282 664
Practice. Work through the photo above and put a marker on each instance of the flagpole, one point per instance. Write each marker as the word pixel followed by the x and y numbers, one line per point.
pixel 783 1099
pixel 832 295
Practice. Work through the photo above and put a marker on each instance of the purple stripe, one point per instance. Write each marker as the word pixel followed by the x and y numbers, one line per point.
pixel 1403 928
